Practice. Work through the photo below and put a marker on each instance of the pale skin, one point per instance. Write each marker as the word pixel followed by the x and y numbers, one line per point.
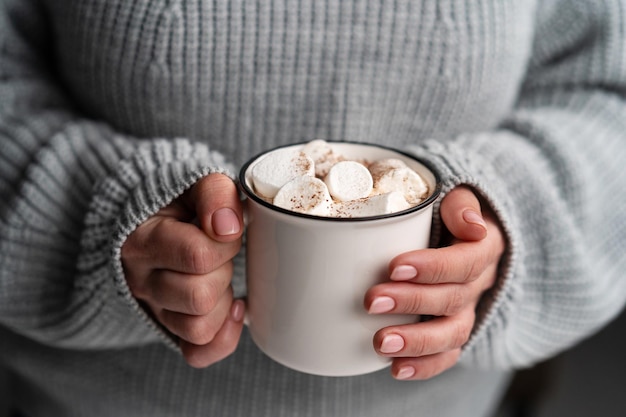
pixel 181 273
pixel 445 282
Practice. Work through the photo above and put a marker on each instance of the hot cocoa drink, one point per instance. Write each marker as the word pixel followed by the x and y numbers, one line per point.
pixel 319 180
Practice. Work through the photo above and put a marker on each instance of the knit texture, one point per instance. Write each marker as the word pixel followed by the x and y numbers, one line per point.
pixel 109 110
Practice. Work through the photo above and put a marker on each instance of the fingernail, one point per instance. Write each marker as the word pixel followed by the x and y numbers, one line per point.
pixel 473 217
pixel 405 372
pixel 237 310
pixel 403 273
pixel 225 222
pixel 392 343
pixel 382 305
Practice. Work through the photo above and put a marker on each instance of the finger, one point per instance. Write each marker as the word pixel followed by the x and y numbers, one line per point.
pixel 426 299
pixel 409 298
pixel 185 293
pixel 198 330
pixel 459 263
pixel 223 344
pixel 441 334
pixel 461 213
pixel 165 243
pixel 425 367
pixel 216 202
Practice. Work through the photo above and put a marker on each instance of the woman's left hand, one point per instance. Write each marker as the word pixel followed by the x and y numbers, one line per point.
pixel 446 283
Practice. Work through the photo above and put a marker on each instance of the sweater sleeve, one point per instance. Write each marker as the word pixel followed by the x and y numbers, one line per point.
pixel 554 174
pixel 71 190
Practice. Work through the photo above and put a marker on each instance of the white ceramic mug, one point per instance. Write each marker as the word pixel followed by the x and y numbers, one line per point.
pixel 307 275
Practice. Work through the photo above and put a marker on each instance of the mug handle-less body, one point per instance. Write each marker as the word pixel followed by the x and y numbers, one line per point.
pixel 307 277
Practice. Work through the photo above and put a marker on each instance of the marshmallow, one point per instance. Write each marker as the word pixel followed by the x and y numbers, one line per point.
pixel 278 168
pixel 322 154
pixel 404 180
pixel 305 194
pixel 382 166
pixel 349 180
pixel 372 206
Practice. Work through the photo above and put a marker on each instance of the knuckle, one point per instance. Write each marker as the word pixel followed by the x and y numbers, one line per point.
pixel 455 301
pixel 474 271
pixel 139 284
pixel 414 303
pixel 488 278
pixel 479 262
pixel 134 247
pixel 198 257
pixel 419 345
pixel 138 289
pixel 220 187
pixel 197 332
pixel 461 334
pixel 219 183
pixel 439 270
pixel 202 299
pixel 127 252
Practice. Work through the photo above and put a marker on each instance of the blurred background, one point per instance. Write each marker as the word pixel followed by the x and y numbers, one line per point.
pixel 586 381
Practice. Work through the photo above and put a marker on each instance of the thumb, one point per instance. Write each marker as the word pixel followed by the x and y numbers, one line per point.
pixel 461 213
pixel 218 208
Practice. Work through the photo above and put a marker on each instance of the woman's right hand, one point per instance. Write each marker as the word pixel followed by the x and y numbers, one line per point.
pixel 181 271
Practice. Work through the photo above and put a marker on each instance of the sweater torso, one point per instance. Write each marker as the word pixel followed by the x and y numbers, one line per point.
pixel 248 75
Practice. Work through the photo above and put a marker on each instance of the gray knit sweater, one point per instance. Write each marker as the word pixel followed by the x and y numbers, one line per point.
pixel 109 109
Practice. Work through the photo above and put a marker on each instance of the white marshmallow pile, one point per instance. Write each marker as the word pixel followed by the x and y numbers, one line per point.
pixel 316 180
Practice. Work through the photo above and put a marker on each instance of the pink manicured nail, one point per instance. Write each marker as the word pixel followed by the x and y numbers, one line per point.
pixel 382 305
pixel 403 273
pixel 472 217
pixel 405 372
pixel 237 310
pixel 392 343
pixel 225 222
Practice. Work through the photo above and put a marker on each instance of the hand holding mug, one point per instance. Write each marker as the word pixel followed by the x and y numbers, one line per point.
pixel 445 282
pixel 181 272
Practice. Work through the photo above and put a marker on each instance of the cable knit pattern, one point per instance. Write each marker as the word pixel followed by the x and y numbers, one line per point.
pixel 110 109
